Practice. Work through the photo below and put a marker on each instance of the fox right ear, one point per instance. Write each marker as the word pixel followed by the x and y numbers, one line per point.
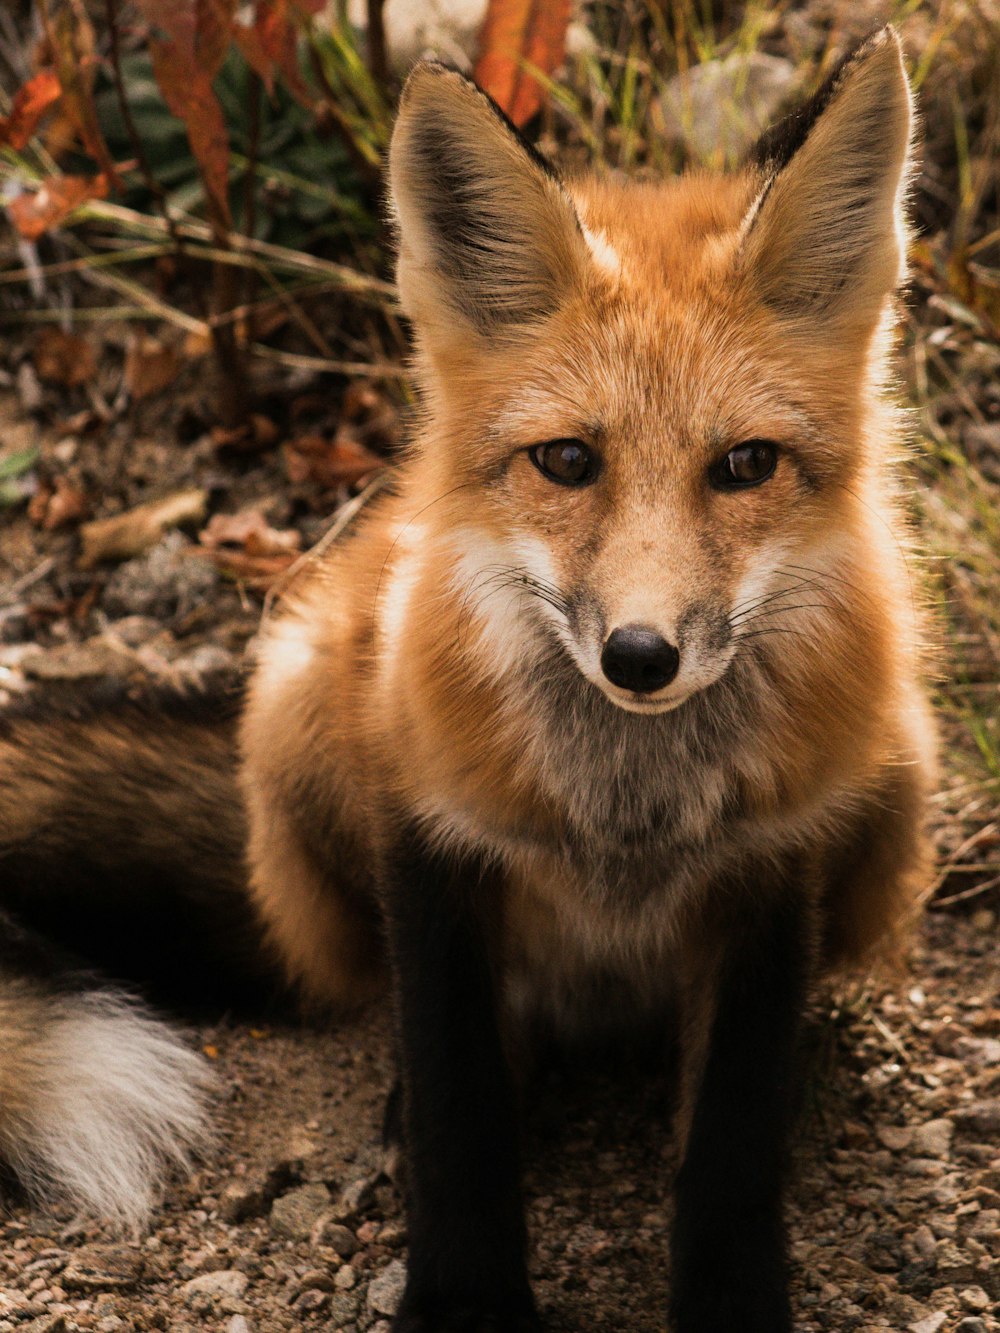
pixel 488 238
pixel 826 237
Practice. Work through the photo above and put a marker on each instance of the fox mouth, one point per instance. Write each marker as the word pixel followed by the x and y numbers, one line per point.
pixel 632 702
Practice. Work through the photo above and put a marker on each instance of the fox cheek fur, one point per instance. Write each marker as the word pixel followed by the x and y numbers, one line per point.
pixel 611 711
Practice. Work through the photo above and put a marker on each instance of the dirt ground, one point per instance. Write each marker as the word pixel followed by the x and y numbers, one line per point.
pixel 895 1213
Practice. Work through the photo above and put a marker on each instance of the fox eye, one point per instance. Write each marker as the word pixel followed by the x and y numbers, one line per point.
pixel 569 462
pixel 748 464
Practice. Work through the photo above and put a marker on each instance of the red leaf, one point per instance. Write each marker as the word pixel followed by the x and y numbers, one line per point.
pixel 271 44
pixel 34 214
pixel 329 463
pixel 517 34
pixel 201 29
pixel 187 91
pixel 30 104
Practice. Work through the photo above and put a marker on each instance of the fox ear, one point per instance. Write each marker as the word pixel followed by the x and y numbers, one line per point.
pixel 486 232
pixel 827 234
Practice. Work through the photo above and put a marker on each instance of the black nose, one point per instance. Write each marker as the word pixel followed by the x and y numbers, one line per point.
pixel 639 659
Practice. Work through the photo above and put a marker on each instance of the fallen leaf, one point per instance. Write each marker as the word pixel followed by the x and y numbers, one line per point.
pixel 29 105
pixel 212 1052
pixel 57 504
pixel 150 365
pixel 188 93
pixel 129 534
pixel 342 461
pixel 516 36
pixel 251 530
pixel 34 213
pixel 256 433
pixel 247 548
pixel 63 358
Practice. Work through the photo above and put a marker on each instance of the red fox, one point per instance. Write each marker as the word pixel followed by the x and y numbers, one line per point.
pixel 611 711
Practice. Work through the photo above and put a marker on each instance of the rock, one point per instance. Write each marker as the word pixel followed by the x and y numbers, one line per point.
pixel 224 1282
pixel 717 109
pixel 953 1267
pixel 386 1291
pixel 339 1238
pixel 933 1139
pixel 355 1197
pixel 971 1326
pixel 894 1137
pixel 932 1324
pixel 979 1117
pixel 239 1324
pixel 241 1199
pixel 974 1299
pixel 103 1268
pixel 296 1213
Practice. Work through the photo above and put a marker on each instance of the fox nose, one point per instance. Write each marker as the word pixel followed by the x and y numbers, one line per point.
pixel 639 659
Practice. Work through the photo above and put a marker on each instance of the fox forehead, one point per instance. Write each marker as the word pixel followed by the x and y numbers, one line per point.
pixel 678 234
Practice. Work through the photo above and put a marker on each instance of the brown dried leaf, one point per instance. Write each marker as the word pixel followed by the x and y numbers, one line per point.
pixel 129 534
pixel 250 530
pixel 57 504
pixel 150 366
pixel 63 358
pixel 342 461
pixel 57 197
pixel 270 46
pixel 187 91
pixel 518 35
pixel 30 104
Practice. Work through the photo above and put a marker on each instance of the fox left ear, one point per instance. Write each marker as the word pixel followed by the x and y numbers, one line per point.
pixel 826 237
pixel 488 238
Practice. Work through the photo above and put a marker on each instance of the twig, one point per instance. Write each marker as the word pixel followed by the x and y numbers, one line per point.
pixel 378 65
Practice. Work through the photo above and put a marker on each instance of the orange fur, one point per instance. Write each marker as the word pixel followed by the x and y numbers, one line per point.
pixel 652 322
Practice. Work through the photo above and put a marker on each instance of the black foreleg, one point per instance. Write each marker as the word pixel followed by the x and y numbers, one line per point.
pixel 729 1249
pixel 466 1229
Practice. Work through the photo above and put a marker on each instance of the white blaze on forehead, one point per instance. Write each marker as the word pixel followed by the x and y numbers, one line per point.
pixel 604 254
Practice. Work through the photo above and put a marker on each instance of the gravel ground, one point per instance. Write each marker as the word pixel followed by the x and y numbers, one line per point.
pixel 895 1205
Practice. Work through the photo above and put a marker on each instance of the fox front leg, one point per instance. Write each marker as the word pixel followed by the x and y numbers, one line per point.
pixel 729 1268
pixel 467 1270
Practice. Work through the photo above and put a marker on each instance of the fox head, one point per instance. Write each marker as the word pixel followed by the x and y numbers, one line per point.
pixel 652 422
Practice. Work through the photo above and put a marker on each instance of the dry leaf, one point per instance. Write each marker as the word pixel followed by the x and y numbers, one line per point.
pixel 270 45
pixel 150 365
pixel 63 358
pixel 57 503
pixel 342 461
pixel 57 197
pixel 247 548
pixel 250 530
pixel 519 35
pixel 30 104
pixel 256 433
pixel 129 534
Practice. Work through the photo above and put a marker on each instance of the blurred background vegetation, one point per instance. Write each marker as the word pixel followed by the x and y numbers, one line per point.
pixel 195 276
